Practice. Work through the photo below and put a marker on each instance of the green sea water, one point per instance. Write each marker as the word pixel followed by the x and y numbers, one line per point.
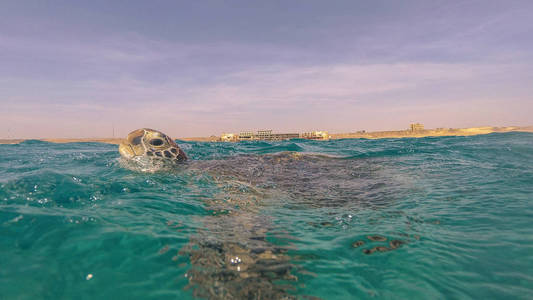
pixel 425 218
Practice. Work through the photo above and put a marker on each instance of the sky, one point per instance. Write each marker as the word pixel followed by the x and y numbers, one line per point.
pixel 199 68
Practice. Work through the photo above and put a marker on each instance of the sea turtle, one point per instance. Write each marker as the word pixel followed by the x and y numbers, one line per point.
pixel 150 142
pixel 150 150
pixel 231 257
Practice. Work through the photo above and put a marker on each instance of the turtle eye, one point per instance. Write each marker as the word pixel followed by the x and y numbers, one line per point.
pixel 156 142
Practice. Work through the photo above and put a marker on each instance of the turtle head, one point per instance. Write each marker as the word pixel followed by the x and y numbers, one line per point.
pixel 150 144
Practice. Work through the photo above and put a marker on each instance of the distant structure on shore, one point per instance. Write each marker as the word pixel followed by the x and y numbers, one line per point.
pixel 268 135
pixel 417 127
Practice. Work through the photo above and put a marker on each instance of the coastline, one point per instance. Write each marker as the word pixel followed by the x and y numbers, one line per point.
pixel 352 135
pixel 431 132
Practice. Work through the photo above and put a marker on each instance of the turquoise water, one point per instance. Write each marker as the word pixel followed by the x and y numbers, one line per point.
pixel 428 218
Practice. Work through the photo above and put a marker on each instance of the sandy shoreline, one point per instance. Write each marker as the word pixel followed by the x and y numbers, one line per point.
pixel 351 135
pixel 65 140
pixel 431 132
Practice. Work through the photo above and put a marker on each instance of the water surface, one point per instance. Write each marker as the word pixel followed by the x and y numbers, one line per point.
pixel 436 217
